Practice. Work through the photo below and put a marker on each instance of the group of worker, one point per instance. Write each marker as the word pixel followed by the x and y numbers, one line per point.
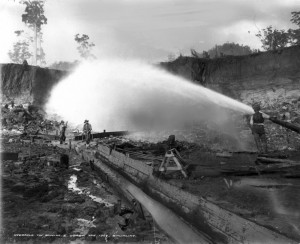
pixel 256 125
pixel 87 131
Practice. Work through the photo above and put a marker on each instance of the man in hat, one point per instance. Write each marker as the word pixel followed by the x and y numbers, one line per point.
pixel 87 129
pixel 258 128
pixel 62 132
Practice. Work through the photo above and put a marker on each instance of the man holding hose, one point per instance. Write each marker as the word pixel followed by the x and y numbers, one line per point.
pixel 258 128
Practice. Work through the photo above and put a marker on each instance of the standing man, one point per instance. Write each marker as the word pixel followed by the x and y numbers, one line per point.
pixel 258 128
pixel 87 129
pixel 62 132
pixel 286 117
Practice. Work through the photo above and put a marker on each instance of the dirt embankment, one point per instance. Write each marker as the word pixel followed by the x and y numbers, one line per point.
pixel 28 84
pixel 271 78
pixel 242 76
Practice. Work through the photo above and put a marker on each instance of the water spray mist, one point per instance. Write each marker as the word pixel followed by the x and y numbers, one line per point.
pixel 119 94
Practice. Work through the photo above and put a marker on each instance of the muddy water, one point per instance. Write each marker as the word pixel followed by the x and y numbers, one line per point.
pixel 99 193
pixel 167 220
pixel 282 197
pixel 72 185
pixel 84 225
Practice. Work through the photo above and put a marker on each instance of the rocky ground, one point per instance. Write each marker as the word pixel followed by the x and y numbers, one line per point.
pixel 44 201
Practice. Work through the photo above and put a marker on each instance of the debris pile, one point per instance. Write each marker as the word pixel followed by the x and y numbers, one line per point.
pixel 158 148
pixel 25 119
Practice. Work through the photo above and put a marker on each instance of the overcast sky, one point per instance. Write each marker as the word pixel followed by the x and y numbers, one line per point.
pixel 146 29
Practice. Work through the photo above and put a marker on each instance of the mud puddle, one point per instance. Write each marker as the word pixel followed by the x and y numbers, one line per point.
pixel 277 205
pixel 72 185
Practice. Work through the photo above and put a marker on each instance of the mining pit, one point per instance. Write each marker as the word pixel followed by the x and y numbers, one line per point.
pixel 116 189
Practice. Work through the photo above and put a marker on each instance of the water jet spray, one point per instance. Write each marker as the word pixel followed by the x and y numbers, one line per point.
pixel 130 95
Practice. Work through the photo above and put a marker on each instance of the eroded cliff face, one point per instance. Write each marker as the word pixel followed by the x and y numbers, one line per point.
pixel 271 78
pixel 27 84
pixel 263 76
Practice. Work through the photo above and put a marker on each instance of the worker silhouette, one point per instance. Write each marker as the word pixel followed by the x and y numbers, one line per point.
pixel 258 128
pixel 87 130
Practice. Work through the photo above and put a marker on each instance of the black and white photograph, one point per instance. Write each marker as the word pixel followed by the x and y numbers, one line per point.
pixel 150 121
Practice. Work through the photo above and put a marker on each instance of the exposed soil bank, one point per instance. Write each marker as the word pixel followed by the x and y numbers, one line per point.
pixel 241 77
pixel 28 84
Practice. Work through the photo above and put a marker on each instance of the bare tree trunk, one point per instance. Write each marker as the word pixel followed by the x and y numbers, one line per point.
pixel 35 46
pixel 39 49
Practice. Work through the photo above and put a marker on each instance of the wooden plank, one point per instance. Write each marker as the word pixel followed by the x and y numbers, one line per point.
pixel 265 160
pixel 102 135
